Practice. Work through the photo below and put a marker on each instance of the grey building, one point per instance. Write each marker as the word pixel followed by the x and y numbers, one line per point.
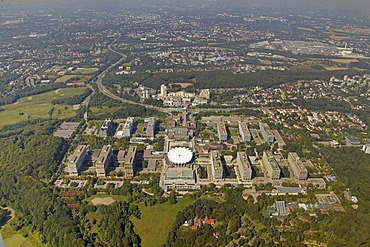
pixel 222 132
pixel 76 160
pixel 107 129
pixel 298 168
pixel 244 131
pixel 271 165
pixel 151 127
pixel 103 160
pixel 128 127
pixel 180 178
pixel 130 162
pixel 352 140
pixel 217 167
pixel 244 166
pixel 267 133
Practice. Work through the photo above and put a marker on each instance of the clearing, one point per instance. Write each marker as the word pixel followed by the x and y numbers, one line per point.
pixel 102 201
pixel 156 221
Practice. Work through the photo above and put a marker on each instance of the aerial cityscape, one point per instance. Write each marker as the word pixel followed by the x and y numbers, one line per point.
pixel 184 123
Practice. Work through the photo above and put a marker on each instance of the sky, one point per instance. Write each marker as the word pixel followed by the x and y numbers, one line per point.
pixel 342 5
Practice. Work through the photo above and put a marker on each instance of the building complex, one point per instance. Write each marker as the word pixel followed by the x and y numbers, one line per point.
pixel 298 168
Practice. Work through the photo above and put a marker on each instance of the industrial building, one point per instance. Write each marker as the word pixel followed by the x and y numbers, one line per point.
pixel 107 129
pixel 76 160
pixel 244 166
pixel 245 132
pixel 217 166
pixel 129 164
pixel 267 133
pixel 151 127
pixel 271 165
pixel 103 160
pixel 298 168
pixel 128 127
pixel 222 132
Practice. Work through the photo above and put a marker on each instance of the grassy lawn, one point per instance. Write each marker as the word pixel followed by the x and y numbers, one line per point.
pixel 234 132
pixel 38 106
pixel 85 71
pixel 265 62
pixel 104 110
pixel 156 221
pixel 103 195
pixel 65 78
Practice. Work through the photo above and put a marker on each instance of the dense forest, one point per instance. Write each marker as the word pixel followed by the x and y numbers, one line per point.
pixel 29 161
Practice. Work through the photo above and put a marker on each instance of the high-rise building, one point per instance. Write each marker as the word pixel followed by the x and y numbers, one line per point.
pixel 76 160
pixel 103 160
pixel 271 165
pixel 128 127
pixel 267 133
pixel 217 167
pixel 244 166
pixel 107 128
pixel 298 168
pixel 150 128
pixel 130 162
pixel 163 91
pixel 245 132
pixel 222 132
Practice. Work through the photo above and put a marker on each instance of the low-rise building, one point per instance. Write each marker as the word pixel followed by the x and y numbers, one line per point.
pixel 352 140
pixel 271 165
pixel 245 167
pixel 76 160
pixel 298 168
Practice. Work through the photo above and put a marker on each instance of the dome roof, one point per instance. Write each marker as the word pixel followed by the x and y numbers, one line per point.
pixel 180 155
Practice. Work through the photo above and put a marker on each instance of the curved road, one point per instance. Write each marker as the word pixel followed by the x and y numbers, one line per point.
pixel 106 92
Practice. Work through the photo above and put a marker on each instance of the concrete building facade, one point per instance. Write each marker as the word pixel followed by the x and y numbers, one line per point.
pixel 270 164
pixel 76 160
pixel 244 166
pixel 222 132
pixel 103 160
pixel 128 127
pixel 130 162
pixel 298 168
pixel 107 128
pixel 244 131
pixel 150 128
pixel 267 133
pixel 217 167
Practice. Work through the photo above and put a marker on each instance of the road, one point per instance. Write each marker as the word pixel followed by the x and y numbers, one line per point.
pixel 106 92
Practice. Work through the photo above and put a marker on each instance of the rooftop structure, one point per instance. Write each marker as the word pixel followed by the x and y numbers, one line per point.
pixel 66 129
pixel 103 160
pixel 180 155
pixel 271 165
pixel 352 140
pixel 298 168
pixel 222 132
pixel 180 178
pixel 280 207
pixel 76 160
pixel 244 166
pixel 267 133
pixel 245 132
pixel 107 128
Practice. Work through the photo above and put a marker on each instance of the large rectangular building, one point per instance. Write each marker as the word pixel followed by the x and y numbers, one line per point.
pixel 150 128
pixel 267 133
pixel 130 162
pixel 271 165
pixel 222 132
pixel 298 168
pixel 76 160
pixel 107 129
pixel 103 160
pixel 245 132
pixel 128 127
pixel 217 167
pixel 244 166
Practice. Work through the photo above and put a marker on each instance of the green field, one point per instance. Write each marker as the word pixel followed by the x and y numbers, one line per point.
pixel 156 221
pixel 39 106
pixel 65 78
pixel 104 110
